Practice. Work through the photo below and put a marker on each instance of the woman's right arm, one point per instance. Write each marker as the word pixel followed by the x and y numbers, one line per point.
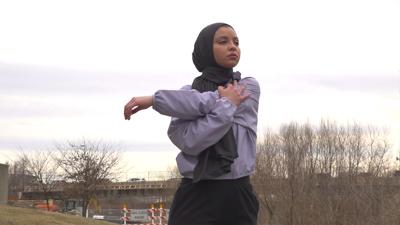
pixel 193 136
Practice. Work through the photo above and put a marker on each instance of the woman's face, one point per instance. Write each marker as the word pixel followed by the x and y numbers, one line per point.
pixel 226 47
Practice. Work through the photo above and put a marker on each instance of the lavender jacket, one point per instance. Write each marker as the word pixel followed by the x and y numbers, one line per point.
pixel 202 119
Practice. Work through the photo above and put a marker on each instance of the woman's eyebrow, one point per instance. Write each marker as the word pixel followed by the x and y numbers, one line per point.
pixel 226 37
pixel 222 37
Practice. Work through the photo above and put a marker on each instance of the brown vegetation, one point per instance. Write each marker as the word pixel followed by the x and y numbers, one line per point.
pixel 326 175
pixel 87 165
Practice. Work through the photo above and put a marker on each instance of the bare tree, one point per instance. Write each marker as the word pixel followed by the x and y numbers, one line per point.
pixel 88 164
pixel 41 166
pixel 18 177
pixel 173 172
pixel 376 149
pixel 269 173
pixel 328 174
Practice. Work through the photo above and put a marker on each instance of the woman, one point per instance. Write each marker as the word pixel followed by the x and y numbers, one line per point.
pixel 214 123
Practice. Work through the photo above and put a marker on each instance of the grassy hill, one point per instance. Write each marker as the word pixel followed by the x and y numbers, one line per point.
pixel 20 216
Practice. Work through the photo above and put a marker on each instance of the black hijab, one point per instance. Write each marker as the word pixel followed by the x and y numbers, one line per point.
pixel 216 160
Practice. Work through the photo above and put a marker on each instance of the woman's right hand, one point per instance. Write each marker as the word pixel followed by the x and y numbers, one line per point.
pixel 234 93
pixel 136 104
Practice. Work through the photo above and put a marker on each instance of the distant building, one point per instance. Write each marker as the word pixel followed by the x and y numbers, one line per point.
pixel 17 183
pixel 3 183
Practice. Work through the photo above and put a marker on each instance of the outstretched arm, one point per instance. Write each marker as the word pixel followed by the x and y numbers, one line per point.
pixel 185 104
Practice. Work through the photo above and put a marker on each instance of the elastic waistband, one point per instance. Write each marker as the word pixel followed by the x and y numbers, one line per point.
pixel 245 179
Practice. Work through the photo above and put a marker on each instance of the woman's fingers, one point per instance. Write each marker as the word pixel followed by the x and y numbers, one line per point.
pixel 135 109
pixel 234 92
pixel 245 96
pixel 136 104
pixel 242 89
pixel 128 109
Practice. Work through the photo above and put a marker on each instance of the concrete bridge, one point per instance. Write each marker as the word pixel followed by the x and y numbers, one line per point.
pixel 111 189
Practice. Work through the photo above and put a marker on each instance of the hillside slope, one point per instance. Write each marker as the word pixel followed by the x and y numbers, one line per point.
pixel 20 216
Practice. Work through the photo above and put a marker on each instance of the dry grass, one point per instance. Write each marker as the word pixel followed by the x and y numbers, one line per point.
pixel 21 216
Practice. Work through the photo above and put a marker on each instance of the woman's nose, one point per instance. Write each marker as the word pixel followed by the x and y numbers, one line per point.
pixel 232 46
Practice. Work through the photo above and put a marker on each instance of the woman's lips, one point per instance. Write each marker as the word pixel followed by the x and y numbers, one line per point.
pixel 233 56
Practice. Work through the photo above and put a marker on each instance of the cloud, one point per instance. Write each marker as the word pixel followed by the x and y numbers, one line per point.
pixel 19 79
pixel 377 84
pixel 41 91
pixel 30 143
pixel 14 106
pixel 380 84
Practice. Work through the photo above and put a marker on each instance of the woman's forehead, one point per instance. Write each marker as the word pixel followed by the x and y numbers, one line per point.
pixel 225 31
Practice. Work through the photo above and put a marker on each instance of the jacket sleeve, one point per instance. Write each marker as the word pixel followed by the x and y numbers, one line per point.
pixel 193 136
pixel 247 112
pixel 185 104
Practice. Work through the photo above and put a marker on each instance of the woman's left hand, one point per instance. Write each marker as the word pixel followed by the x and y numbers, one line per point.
pixel 136 104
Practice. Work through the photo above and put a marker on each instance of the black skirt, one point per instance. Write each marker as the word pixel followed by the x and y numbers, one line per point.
pixel 214 202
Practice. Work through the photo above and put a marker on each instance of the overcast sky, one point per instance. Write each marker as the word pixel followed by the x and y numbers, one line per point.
pixel 67 68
